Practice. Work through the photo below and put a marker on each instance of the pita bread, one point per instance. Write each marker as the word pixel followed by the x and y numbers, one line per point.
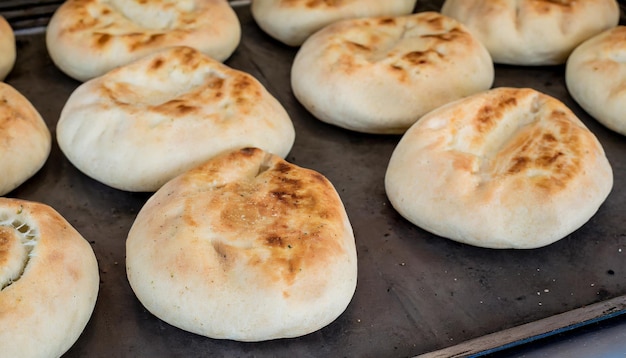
pixel 507 168
pixel 533 32
pixel 246 247
pixel 24 139
pixel 48 281
pixel 142 124
pixel 379 75
pixel 87 38
pixel 293 21
pixel 7 48
pixel 595 76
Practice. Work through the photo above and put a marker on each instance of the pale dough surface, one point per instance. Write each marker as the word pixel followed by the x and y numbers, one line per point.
pixel 533 32
pixel 293 21
pixel 595 76
pixel 7 48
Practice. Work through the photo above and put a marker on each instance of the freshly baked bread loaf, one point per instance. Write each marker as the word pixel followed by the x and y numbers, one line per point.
pixel 292 21
pixel 25 139
pixel 595 76
pixel 246 247
pixel 379 75
pixel 141 124
pixel 48 280
pixel 507 168
pixel 7 48
pixel 87 38
pixel 533 32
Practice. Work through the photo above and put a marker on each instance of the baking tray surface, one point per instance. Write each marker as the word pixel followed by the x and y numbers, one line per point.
pixel 417 293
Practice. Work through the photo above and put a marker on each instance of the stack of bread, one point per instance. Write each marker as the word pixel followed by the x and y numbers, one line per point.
pixel 236 242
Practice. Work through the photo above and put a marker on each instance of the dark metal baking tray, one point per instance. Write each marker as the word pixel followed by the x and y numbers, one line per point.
pixel 416 293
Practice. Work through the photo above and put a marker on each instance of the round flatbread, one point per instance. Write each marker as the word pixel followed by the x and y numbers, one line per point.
pixel 379 75
pixel 293 21
pixel 48 281
pixel 7 48
pixel 25 139
pixel 595 76
pixel 144 123
pixel 246 247
pixel 507 168
pixel 533 32
pixel 87 38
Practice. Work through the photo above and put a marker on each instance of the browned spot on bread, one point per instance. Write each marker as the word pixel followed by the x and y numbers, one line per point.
pixel 6 243
pixel 548 155
pixel 177 107
pixel 102 39
pixel 357 46
pixel 451 35
pixel 156 64
pixel 291 214
pixel 387 21
pixel 490 114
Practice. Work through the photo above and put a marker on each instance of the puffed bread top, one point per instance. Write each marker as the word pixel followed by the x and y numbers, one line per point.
pixel 595 76
pixel 87 38
pixel 246 247
pixel 533 32
pixel 379 75
pixel 507 168
pixel 142 124
pixel 293 21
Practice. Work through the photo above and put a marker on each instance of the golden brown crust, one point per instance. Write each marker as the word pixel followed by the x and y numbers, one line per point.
pixel 260 227
pixel 25 140
pixel 49 289
pixel 87 38
pixel 362 74
pixel 508 168
pixel 142 124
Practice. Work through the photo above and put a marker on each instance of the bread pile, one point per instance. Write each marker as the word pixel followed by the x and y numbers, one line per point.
pixel 238 243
